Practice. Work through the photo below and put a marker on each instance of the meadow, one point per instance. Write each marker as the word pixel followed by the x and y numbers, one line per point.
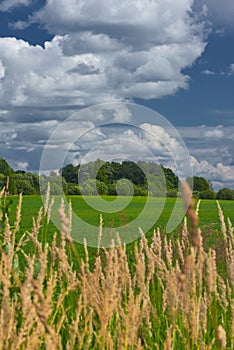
pixel 164 291
pixel 208 214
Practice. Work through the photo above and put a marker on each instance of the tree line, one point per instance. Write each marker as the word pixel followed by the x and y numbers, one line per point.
pixel 108 178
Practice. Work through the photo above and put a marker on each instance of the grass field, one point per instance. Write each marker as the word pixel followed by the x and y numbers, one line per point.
pixel 208 214
pixel 165 291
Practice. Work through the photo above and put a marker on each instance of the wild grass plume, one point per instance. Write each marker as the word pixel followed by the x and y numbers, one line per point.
pixel 163 293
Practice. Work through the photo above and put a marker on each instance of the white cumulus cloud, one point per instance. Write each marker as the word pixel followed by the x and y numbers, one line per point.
pixel 8 5
pixel 214 133
pixel 208 72
pixel 221 13
pixel 122 51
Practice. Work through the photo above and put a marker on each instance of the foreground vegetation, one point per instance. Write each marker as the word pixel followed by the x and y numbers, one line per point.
pixel 164 293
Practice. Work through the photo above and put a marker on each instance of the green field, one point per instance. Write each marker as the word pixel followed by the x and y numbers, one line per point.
pixel 208 219
pixel 163 291
pixel 208 213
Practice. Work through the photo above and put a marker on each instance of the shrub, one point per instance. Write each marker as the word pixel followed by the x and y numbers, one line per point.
pixel 172 193
pixel 208 194
pixel 73 189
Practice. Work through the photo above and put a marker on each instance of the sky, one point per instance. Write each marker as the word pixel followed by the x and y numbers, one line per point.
pixel 176 57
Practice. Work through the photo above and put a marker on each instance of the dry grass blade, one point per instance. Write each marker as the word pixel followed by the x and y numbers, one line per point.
pixel 191 214
pixel 168 293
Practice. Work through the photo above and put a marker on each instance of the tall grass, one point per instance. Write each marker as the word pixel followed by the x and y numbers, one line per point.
pixel 169 293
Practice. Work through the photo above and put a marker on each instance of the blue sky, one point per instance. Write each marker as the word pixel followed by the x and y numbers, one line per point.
pixel 174 56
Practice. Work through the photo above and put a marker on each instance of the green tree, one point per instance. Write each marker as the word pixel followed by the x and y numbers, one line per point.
pixel 156 185
pixel 111 191
pixel 124 187
pixel 35 182
pixel 88 187
pixel 172 193
pixel 140 190
pixel 102 188
pixel 102 174
pixel 73 189
pixel 133 172
pixel 5 168
pixel 116 173
pixel 171 178
pixel 207 194
pixel 26 183
pixel 198 183
pixel 225 193
pixel 8 172
pixel 70 173
pixel 2 181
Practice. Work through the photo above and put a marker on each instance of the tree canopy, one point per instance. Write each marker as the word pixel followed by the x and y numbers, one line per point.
pixel 105 178
pixel 225 193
